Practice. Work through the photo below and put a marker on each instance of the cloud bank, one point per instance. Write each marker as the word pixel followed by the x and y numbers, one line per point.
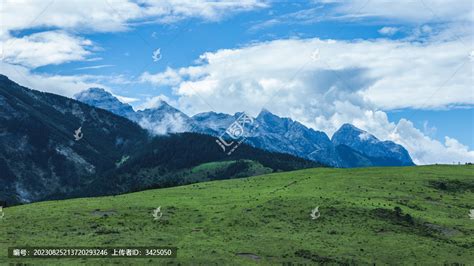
pixel 350 81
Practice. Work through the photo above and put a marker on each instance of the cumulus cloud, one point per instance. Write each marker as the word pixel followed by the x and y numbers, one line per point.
pixel 108 15
pixel 352 81
pixel 45 48
pixel 426 150
pixel 429 130
pixel 169 77
pixel 429 75
pixel 75 14
pixel 461 151
pixel 388 31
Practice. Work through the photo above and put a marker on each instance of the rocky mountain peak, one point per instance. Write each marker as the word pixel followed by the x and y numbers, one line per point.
pixel 350 132
pixel 348 147
pixel 103 99
pixel 367 144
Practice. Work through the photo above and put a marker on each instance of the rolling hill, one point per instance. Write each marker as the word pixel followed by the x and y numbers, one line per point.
pixel 388 215
pixel 168 161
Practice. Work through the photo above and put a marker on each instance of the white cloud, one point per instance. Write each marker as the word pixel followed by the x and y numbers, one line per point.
pixel 459 149
pixel 453 17
pixel 170 123
pixel 305 16
pixel 58 84
pixel 94 67
pixel 172 10
pixel 408 10
pixel 388 31
pixel 429 130
pixel 72 14
pixel 166 78
pixel 351 82
pixel 57 21
pixel 430 75
pixel 426 150
pixel 112 15
pixel 45 48
pixel 422 148
pixel 155 102
pixel 126 99
pixel 57 24
pixel 445 19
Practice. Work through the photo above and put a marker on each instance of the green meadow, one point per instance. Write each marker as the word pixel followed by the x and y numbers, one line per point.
pixel 391 215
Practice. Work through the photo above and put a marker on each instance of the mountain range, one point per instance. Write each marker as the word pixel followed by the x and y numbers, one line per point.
pixel 348 147
pixel 53 147
pixel 162 119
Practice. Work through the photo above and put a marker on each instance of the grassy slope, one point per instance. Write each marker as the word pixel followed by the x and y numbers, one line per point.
pixel 269 216
pixel 203 172
pixel 199 172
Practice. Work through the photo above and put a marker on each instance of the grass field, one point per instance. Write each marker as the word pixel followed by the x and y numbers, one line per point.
pixel 266 219
pixel 208 171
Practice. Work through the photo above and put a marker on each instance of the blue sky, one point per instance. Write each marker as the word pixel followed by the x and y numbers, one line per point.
pixel 401 71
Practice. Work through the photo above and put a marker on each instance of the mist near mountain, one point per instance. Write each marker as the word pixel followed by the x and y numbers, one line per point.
pixel 349 146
